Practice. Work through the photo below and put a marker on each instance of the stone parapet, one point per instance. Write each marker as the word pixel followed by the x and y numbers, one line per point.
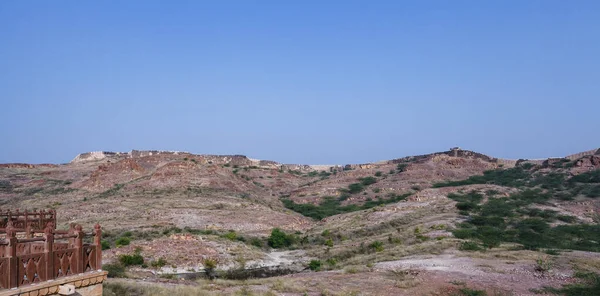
pixel 86 284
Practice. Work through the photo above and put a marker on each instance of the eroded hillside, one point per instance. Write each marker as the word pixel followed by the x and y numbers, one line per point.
pixel 435 218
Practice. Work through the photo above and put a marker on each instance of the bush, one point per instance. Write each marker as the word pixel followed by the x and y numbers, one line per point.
pixel 377 246
pixel 231 235
pixel 469 246
pixel 401 167
pixel 5 186
pixel 378 174
pixel 122 241
pixel 566 218
pixel 466 206
pixel 105 245
pixel 592 191
pixel 209 263
pixel 543 264
pixel 587 177
pixel 366 181
pixel 129 260
pixel 331 206
pixel 355 188
pixel 513 177
pixel 114 270
pixel 332 262
pixel 210 266
pixel 257 242
pixel 315 265
pixel 158 263
pixel 280 239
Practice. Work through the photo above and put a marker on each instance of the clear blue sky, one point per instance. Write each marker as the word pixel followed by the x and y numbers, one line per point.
pixel 299 81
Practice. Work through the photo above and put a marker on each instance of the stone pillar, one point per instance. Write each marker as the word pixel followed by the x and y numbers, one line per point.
pixel 11 254
pixel 78 246
pixel 98 243
pixel 48 272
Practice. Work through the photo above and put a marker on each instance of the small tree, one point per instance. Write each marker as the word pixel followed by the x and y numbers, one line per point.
pixel 279 239
pixel 355 187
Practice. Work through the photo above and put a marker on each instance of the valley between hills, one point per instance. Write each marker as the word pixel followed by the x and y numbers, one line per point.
pixel 449 223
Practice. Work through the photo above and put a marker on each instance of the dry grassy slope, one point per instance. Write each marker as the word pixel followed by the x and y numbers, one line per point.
pixel 234 192
pixel 421 173
pixel 156 190
pixel 226 192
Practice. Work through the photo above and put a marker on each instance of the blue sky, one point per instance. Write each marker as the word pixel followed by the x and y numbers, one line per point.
pixel 330 82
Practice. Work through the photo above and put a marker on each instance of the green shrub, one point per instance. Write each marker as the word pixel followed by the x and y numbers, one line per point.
pixel 315 265
pixel 466 206
pixel 401 167
pixel 5 186
pixel 129 260
pixel 366 181
pixel 591 191
pixel 377 246
pixel 587 177
pixel 230 235
pixel 114 270
pixel 105 245
pixel 513 177
pixel 543 264
pixel 378 174
pixel 566 218
pixel 158 263
pixel 332 262
pixel 210 265
pixel 469 246
pixel 280 239
pixel 122 241
pixel 355 188
pixel 257 242
pixel 329 243
pixel 331 206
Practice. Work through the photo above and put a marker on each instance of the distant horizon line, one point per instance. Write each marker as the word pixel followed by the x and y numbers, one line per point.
pixel 177 152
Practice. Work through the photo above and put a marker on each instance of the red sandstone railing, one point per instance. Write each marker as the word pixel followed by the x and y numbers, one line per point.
pixel 52 255
pixel 31 221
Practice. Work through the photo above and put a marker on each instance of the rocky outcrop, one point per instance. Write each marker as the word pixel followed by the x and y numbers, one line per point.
pixel 142 153
pixel 95 155
pixel 588 163
pixel 582 154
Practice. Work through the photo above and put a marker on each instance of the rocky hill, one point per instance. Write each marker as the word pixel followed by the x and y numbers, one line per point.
pixel 184 207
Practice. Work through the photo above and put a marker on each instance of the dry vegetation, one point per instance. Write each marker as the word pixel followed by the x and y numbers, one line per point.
pixel 440 224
